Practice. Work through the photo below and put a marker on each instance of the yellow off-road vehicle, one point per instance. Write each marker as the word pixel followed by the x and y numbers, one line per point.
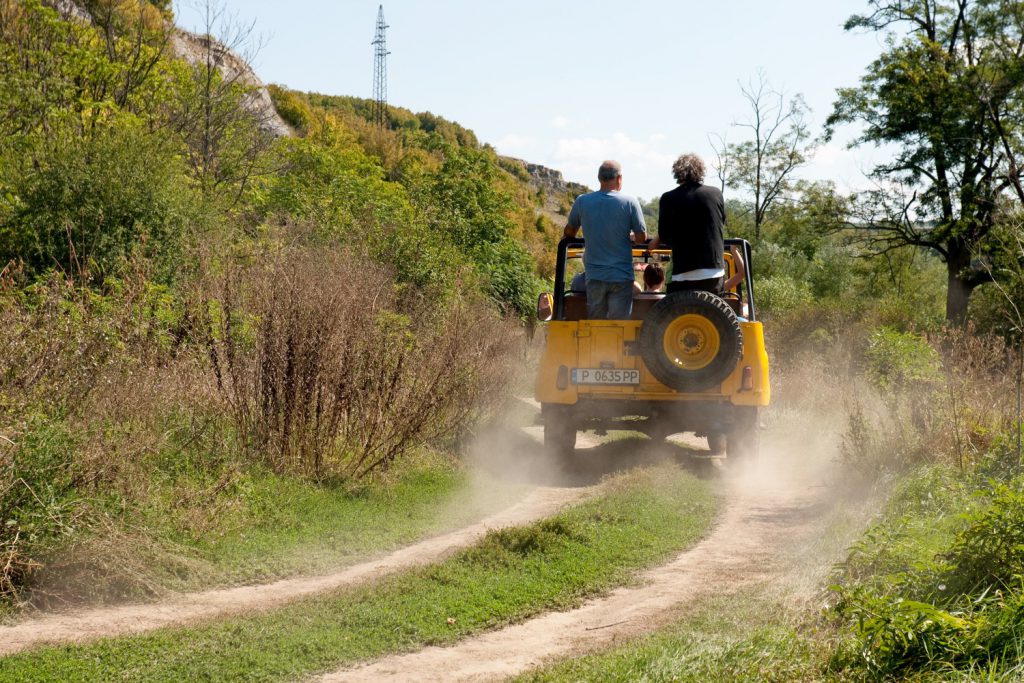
pixel 684 362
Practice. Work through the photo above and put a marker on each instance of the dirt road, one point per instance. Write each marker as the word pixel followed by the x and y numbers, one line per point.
pixel 771 508
pixel 84 625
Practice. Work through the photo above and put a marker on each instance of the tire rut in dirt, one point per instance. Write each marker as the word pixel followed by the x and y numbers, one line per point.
pixel 747 546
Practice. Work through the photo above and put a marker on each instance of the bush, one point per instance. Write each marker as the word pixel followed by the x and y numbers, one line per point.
pixel 332 371
pixel 989 553
pixel 65 340
pixel 901 360
pixel 782 294
pixel 89 205
pixel 932 591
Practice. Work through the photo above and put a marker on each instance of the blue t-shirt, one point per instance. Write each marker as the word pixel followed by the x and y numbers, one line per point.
pixel 607 217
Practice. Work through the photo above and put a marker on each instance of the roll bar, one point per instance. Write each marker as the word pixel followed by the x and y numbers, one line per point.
pixel 567 243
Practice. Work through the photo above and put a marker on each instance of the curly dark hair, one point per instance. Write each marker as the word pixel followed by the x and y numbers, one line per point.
pixel 688 168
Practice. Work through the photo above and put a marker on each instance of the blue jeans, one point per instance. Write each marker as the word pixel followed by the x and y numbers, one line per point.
pixel 611 300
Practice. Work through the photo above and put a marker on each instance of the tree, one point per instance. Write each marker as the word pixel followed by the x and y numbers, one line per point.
pixel 946 95
pixel 217 113
pixel 780 143
pixel 67 73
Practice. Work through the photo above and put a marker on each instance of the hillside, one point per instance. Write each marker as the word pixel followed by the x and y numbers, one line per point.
pixel 266 368
pixel 173 266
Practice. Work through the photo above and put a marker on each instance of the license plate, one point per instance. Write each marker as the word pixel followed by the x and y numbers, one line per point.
pixel 605 376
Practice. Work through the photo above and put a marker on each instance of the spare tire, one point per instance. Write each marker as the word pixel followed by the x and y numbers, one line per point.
pixel 691 340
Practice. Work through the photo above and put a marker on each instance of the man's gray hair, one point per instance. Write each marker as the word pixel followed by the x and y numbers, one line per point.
pixel 688 168
pixel 610 170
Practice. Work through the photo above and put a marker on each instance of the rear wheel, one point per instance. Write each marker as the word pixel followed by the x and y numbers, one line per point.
pixel 559 431
pixel 743 441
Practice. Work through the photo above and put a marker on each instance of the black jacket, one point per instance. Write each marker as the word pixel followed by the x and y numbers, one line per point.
pixel 690 220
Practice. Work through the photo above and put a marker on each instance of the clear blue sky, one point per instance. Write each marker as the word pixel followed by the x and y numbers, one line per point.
pixel 567 83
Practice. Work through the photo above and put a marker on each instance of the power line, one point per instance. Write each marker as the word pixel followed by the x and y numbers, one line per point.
pixel 380 72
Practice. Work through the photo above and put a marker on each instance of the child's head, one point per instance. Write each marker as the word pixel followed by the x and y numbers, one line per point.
pixel 654 276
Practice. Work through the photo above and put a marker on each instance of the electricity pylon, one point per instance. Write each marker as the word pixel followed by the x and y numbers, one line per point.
pixel 380 72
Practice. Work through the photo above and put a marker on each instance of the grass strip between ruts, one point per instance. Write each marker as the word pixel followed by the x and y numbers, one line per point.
pixel 513 573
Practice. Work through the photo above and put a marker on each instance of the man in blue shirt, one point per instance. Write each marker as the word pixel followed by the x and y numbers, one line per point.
pixel 612 222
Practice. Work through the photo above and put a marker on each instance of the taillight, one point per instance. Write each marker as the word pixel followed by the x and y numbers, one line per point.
pixel 747 383
pixel 562 382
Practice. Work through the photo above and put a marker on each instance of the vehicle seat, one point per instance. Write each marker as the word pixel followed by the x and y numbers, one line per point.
pixel 576 305
pixel 642 303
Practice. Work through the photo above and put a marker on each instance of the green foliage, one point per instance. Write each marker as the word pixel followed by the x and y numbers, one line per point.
pixel 937 95
pixel 87 178
pixel 782 294
pixel 938 584
pixel 224 140
pixel 339 190
pixel 988 554
pixel 898 634
pixel 75 75
pixel 88 205
pixel 295 111
pixel 470 210
pixel 901 360
pixel 38 479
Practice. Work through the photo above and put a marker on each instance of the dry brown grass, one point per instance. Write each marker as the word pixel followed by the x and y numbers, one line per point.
pixel 978 400
pixel 960 418
pixel 332 371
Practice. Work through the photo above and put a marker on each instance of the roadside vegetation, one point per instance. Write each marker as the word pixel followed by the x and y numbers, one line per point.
pixel 213 331
pixel 641 518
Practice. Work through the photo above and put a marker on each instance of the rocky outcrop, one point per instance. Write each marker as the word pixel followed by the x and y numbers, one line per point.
pixel 549 179
pixel 194 50
pixel 70 10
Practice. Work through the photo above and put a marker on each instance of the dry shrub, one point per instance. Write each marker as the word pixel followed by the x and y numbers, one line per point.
pixel 980 390
pixel 94 388
pixel 960 415
pixel 331 370
pixel 63 340
pixel 949 397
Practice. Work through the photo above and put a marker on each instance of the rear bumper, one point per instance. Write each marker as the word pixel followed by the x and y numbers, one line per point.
pixel 647 416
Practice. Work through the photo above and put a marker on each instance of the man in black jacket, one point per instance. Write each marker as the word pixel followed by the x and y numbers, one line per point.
pixel 690 220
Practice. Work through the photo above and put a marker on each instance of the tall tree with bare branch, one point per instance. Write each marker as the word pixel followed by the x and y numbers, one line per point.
pixel 778 143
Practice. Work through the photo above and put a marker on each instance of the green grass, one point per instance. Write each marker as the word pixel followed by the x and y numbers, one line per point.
pixel 512 574
pixel 260 528
pixel 934 590
pixel 732 638
pixel 280 526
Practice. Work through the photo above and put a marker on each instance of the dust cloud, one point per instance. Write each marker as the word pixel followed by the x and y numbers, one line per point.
pixel 787 518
